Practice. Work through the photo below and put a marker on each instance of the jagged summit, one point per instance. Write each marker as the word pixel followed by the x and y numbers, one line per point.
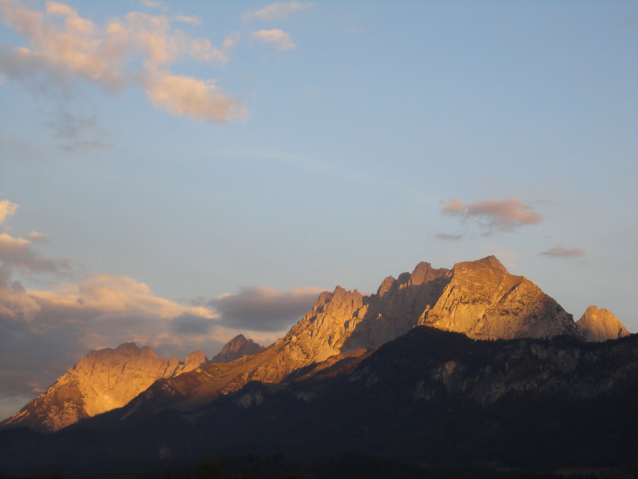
pixel 236 348
pixel 600 325
pixel 101 381
pixel 480 299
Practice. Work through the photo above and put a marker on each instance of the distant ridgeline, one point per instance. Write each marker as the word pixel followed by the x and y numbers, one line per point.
pixel 400 374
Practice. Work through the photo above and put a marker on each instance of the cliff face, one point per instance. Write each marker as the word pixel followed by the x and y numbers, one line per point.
pixel 236 348
pixel 600 325
pixel 101 381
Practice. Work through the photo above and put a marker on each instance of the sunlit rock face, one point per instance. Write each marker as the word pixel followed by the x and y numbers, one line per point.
pixel 479 298
pixel 101 381
pixel 236 348
pixel 484 301
pixel 600 325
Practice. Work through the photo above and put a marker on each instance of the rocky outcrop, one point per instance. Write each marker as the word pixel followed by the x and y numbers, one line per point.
pixel 600 325
pixel 101 381
pixel 236 348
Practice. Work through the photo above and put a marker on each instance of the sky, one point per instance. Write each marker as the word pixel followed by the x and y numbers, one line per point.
pixel 176 173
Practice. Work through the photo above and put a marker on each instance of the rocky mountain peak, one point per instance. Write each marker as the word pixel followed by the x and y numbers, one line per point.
pixel 484 301
pixel 424 272
pixel 600 325
pixel 236 348
pixel 101 381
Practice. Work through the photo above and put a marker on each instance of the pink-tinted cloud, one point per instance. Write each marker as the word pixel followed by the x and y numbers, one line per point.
pixel 493 215
pixel 7 210
pixel 64 47
pixel 560 252
pixel 36 237
pixel 277 10
pixel 196 99
pixel 278 37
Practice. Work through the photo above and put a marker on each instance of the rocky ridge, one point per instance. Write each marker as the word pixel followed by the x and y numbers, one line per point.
pixel 479 299
pixel 101 381
pixel 600 325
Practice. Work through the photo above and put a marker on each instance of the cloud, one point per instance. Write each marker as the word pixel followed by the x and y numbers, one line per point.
pixel 36 237
pixel 280 38
pixel 7 210
pixel 76 132
pixel 191 324
pixel 193 19
pixel 196 99
pixel 493 215
pixel 260 308
pixel 560 252
pixel 447 237
pixel 152 4
pixel 64 47
pixel 277 11
pixel 17 253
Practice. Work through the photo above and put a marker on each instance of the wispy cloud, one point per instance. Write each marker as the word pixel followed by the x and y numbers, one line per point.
pixel 280 38
pixel 16 253
pixel 277 10
pixel 493 215
pixel 64 47
pixel 7 210
pixel 448 237
pixel 78 133
pixel 36 237
pixel 560 252
pixel 192 19
pixel 264 309
pixel 154 4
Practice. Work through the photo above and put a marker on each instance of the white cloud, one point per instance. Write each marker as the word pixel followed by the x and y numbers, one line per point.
pixel 493 215
pixel 280 38
pixel 277 10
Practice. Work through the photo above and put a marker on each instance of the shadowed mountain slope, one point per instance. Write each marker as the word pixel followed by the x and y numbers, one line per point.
pixel 432 397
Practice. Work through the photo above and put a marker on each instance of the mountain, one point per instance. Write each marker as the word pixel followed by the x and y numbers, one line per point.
pixel 600 325
pixel 431 398
pixel 479 299
pixel 101 381
pixel 236 348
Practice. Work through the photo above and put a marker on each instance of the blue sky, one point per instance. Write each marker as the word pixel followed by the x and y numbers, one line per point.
pixel 263 152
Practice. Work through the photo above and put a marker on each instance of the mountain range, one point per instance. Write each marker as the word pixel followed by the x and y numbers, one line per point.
pixel 384 373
